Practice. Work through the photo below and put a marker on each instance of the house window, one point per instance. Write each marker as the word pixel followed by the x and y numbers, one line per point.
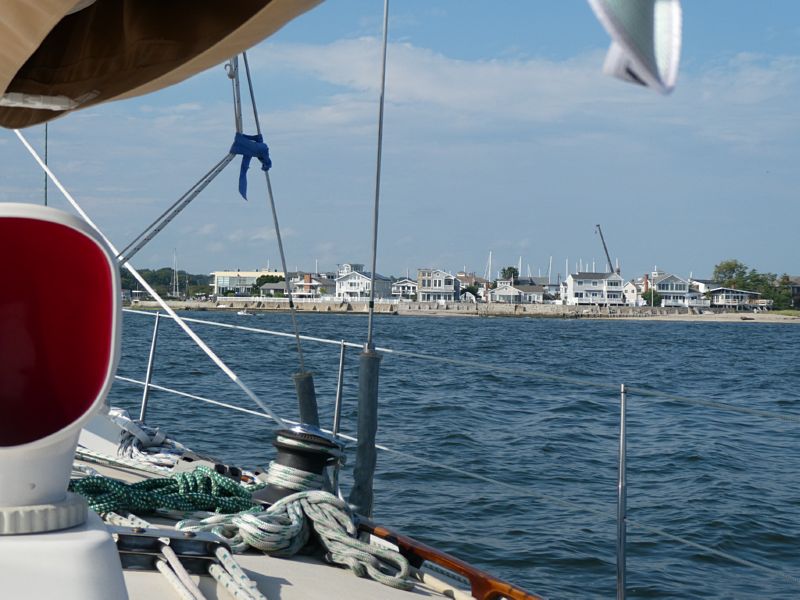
pixel 594 283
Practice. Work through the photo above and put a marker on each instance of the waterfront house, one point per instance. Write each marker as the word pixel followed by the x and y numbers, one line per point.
pixel 404 288
pixel 240 283
pixel 794 290
pixel 353 283
pixel 672 289
pixel 725 297
pixel 435 285
pixel 470 279
pixel 517 294
pixel 632 292
pixel 272 290
pixel 593 289
pixel 312 285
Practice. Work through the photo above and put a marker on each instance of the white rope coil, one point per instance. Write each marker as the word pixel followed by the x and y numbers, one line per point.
pixel 286 527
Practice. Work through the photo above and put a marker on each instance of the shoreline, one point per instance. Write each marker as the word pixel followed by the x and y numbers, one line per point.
pixel 540 311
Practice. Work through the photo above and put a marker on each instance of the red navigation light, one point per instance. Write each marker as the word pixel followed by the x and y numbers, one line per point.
pixel 57 311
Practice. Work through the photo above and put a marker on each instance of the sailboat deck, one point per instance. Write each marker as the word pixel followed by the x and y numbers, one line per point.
pixel 296 578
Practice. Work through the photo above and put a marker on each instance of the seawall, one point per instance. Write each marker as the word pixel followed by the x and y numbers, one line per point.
pixel 454 309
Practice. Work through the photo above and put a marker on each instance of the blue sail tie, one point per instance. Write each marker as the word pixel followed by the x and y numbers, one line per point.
pixel 250 146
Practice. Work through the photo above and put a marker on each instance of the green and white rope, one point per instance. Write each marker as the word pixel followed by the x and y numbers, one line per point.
pixel 293 479
pixel 200 490
pixel 286 526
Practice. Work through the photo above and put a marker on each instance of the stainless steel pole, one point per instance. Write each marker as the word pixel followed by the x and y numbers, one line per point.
pixel 337 411
pixel 149 376
pixel 337 415
pixel 621 500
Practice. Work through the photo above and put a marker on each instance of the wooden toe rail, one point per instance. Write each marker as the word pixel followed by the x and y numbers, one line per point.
pixel 483 585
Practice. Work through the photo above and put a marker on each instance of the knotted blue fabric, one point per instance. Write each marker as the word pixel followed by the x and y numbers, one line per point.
pixel 250 146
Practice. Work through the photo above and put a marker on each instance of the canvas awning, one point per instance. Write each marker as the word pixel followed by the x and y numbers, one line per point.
pixel 60 55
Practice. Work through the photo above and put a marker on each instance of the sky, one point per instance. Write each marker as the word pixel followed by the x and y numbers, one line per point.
pixel 501 135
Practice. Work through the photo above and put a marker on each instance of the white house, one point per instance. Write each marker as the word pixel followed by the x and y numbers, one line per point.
pixel 404 288
pixel 308 285
pixel 633 294
pixel 517 294
pixel 594 288
pixel 672 289
pixel 434 285
pixel 353 283
pixel 239 282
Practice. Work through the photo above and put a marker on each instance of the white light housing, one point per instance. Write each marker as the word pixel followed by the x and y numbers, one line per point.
pixel 645 40
pixel 59 346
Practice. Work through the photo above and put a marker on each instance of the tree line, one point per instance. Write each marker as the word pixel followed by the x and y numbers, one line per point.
pixel 735 274
pixel 161 280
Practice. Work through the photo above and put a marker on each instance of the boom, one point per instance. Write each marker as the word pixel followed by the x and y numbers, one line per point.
pixel 605 248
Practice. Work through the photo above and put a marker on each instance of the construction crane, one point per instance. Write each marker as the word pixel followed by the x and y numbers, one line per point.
pixel 605 248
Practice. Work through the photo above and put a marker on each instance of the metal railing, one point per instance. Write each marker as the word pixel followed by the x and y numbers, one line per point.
pixel 622 519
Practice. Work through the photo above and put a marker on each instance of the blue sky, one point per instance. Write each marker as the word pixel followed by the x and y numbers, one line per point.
pixel 501 134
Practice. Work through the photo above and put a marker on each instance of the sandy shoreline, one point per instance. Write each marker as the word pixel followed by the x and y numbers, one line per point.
pixel 483 310
pixel 741 317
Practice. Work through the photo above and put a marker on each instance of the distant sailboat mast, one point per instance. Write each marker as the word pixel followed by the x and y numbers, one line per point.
pixel 175 282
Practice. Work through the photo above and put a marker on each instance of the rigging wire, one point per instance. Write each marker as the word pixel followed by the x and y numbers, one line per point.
pixel 369 345
pixel 567 504
pixel 271 199
pixel 183 325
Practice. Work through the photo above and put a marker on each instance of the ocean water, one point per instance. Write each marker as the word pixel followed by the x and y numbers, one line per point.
pixel 723 479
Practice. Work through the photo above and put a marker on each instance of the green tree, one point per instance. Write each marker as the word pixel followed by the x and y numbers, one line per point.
pixel 730 273
pixel 735 274
pixel 509 273
pixel 268 279
pixel 472 289
pixel 651 297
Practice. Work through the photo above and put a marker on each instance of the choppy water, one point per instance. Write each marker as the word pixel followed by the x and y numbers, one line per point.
pixel 721 479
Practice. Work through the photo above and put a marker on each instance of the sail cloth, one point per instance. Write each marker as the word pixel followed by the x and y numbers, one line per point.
pixel 645 40
pixel 60 55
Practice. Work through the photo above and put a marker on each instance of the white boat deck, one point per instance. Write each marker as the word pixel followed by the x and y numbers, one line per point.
pixel 296 578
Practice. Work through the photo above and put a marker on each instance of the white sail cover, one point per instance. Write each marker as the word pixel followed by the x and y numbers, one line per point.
pixel 645 40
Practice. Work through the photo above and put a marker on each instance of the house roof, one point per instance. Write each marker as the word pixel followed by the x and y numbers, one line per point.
pixel 663 276
pixel 589 275
pixel 530 289
pixel 404 280
pixel 728 289
pixel 367 274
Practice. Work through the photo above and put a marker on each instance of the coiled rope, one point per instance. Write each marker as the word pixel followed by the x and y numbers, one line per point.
pixel 200 490
pixel 286 527
pixel 283 529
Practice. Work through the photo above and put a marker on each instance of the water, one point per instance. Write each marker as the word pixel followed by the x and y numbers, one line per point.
pixel 722 479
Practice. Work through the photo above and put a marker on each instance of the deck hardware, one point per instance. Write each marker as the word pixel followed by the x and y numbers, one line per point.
pixel 303 454
pixel 139 548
